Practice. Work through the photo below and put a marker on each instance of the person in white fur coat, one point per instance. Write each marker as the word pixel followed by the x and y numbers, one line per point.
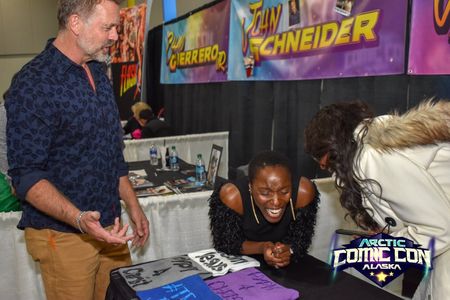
pixel 395 166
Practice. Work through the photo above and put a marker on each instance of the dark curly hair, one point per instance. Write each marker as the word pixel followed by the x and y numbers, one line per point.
pixel 267 158
pixel 332 131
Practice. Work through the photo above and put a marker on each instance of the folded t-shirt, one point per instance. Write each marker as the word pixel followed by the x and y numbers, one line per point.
pixel 192 287
pixel 249 284
pixel 219 263
pixel 160 272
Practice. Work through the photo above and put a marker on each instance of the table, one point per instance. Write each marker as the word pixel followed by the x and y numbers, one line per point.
pixel 178 224
pixel 310 276
pixel 188 146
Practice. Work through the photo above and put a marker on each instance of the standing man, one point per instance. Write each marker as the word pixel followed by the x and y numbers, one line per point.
pixel 66 163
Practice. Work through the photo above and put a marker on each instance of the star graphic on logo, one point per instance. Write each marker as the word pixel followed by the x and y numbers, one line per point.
pixel 381 276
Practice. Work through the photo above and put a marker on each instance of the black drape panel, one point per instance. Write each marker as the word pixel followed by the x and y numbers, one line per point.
pixel 273 114
pixel 250 119
pixel 154 90
pixel 425 87
pixel 296 102
pixel 382 93
pixel 245 109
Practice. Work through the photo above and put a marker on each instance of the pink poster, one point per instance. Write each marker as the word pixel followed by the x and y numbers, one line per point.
pixel 429 49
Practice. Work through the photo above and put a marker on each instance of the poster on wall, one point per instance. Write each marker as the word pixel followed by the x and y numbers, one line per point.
pixel 311 39
pixel 429 50
pixel 195 49
pixel 126 58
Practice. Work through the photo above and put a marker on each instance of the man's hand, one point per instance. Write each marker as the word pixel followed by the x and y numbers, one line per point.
pixel 140 226
pixel 90 223
pixel 139 221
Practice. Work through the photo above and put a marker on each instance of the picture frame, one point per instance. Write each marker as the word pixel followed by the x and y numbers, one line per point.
pixel 213 165
pixel 294 13
pixel 344 7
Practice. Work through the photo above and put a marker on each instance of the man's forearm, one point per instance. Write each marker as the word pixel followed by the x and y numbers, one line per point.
pixel 127 193
pixel 45 197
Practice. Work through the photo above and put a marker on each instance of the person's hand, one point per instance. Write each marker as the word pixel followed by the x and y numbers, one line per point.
pixel 277 255
pixel 90 223
pixel 267 252
pixel 140 226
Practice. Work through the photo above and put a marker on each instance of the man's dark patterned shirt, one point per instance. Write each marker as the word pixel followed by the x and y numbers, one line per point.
pixel 59 129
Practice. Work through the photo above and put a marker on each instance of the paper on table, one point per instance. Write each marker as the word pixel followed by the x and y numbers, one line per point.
pixel 138 172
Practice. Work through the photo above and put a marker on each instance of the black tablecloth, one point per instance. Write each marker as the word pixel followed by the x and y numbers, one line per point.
pixel 158 176
pixel 310 276
pixel 313 279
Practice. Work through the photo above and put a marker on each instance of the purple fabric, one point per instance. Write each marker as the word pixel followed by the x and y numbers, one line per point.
pixel 429 47
pixel 249 284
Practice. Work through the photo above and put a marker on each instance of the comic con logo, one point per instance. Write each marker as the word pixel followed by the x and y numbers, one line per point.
pixel 382 257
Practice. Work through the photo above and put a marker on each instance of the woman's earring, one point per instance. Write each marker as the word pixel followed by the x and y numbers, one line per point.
pixel 292 208
pixel 253 205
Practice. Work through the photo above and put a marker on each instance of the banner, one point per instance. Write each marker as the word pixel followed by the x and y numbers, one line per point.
pixel 195 49
pixel 429 49
pixel 125 67
pixel 312 39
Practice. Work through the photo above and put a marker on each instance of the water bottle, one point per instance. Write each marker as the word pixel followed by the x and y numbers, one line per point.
pixel 153 155
pixel 174 164
pixel 200 175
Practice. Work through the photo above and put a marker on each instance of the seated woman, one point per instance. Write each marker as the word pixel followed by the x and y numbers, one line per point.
pixel 268 213
pixel 152 126
pixel 133 126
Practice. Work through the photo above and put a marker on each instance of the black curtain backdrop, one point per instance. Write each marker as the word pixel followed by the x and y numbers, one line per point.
pixel 264 115
pixel 152 57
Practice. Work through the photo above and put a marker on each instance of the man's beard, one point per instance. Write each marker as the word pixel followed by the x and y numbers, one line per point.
pixel 95 54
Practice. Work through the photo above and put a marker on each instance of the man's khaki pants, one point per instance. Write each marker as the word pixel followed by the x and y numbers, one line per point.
pixel 74 266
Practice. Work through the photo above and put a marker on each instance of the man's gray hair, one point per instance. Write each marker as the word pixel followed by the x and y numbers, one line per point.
pixel 82 8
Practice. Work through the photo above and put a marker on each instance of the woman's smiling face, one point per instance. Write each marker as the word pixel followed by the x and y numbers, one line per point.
pixel 271 189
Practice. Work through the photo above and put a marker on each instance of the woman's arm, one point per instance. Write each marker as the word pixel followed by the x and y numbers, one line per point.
pixel 226 222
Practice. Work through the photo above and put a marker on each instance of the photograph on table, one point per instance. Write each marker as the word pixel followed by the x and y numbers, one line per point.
pixel 213 166
pixel 154 191
pixel 139 180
